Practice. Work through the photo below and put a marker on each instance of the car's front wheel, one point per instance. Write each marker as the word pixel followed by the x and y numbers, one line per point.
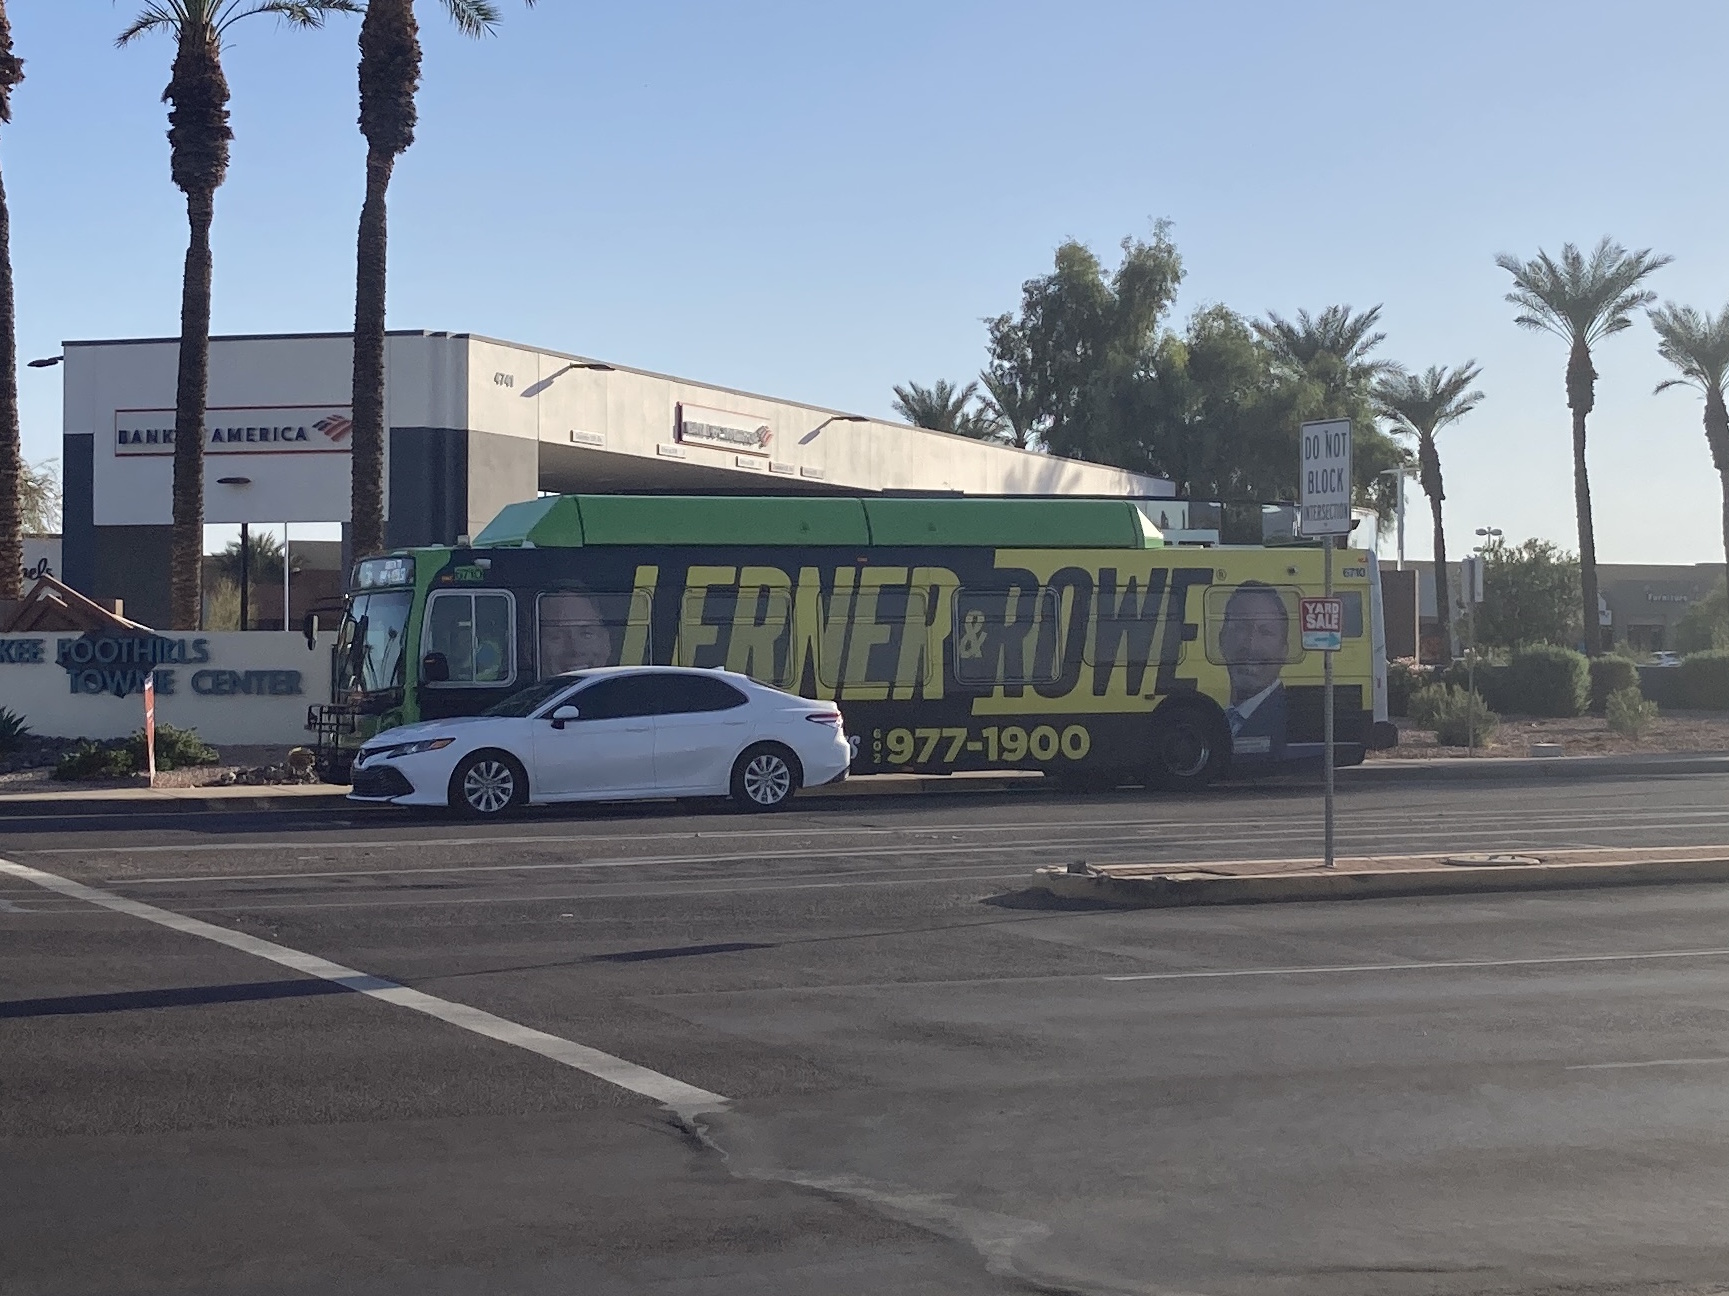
pixel 765 777
pixel 488 785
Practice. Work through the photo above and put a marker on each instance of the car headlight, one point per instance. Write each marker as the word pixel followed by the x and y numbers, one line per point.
pixel 406 749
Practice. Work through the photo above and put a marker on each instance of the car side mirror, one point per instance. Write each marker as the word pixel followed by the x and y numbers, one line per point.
pixel 309 628
pixel 563 715
pixel 435 668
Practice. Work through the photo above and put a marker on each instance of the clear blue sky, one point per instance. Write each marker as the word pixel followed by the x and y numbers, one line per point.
pixel 819 201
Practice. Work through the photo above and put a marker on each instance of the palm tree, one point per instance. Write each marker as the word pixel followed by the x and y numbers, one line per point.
pixel 389 79
pixel 1330 350
pixel 1421 406
pixel 198 136
pixel 941 408
pixel 1698 346
pixel 1012 406
pixel 1582 300
pixel 11 456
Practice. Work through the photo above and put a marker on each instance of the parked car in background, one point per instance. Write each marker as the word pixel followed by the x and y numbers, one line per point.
pixel 616 733
pixel 1666 659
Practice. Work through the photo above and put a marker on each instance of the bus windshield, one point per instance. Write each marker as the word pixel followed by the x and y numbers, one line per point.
pixel 370 643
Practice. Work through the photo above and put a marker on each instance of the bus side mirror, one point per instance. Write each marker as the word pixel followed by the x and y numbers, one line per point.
pixel 309 628
pixel 563 715
pixel 435 668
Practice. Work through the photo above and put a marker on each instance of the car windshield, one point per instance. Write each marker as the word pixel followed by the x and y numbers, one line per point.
pixel 370 642
pixel 527 701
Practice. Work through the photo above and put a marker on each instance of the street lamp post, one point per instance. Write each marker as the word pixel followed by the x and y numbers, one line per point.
pixel 1401 472
pixel 1489 536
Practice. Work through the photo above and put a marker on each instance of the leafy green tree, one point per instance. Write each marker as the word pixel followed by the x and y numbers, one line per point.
pixel 198 139
pixel 1698 346
pixel 13 472
pixel 1420 406
pixel 1530 596
pixel 1082 342
pixel 1706 624
pixel 389 80
pixel 1215 414
pixel 1582 300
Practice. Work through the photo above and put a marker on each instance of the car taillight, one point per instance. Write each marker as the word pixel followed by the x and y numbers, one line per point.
pixel 823 717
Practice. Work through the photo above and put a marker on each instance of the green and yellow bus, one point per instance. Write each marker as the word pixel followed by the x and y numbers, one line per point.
pixel 1060 635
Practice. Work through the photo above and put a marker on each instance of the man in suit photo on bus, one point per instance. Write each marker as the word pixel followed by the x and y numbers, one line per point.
pixel 1254 642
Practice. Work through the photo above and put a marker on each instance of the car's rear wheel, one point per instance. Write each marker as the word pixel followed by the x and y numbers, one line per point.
pixel 488 785
pixel 765 777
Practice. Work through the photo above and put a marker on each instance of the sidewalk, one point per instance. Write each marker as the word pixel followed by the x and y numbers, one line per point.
pixel 1161 886
pixel 320 796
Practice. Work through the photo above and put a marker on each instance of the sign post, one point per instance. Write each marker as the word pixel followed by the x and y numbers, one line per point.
pixel 150 725
pixel 1325 474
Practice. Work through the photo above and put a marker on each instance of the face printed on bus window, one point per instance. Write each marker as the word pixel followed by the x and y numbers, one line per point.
pixel 572 635
pixel 1254 640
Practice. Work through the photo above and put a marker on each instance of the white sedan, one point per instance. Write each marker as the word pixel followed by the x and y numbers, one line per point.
pixel 613 734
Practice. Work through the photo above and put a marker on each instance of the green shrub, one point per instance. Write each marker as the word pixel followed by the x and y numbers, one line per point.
pixel 1704 680
pixel 1453 713
pixel 1705 625
pixel 175 749
pixel 1403 679
pixel 1611 675
pixel 90 760
pixel 1629 713
pixel 13 730
pixel 1547 681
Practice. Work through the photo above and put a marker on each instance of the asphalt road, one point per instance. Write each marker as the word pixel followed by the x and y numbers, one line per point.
pixel 841 1050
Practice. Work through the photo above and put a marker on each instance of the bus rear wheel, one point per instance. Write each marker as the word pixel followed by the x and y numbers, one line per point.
pixel 1188 747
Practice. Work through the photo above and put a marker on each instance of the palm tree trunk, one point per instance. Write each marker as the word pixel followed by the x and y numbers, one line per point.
pixel 11 454
pixel 1443 598
pixel 191 395
pixel 1717 436
pixel 1581 399
pixel 1587 539
pixel 367 497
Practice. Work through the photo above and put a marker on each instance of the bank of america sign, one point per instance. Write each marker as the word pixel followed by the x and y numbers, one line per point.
pixel 287 429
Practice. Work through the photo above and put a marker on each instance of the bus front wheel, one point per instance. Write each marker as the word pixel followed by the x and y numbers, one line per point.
pixel 1189 746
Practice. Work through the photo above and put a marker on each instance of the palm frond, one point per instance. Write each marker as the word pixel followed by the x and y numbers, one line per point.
pixel 296 13
pixel 474 17
pixel 1579 297
pixel 1696 343
pixel 1422 404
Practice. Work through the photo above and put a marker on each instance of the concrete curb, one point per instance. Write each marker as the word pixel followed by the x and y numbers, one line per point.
pixel 1177 890
pixel 154 801
pixel 1531 768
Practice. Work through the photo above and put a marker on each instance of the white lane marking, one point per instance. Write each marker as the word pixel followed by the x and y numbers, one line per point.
pixel 1211 974
pixel 1662 1062
pixel 685 1099
pixel 1046 849
pixel 675 890
pixel 6 906
pixel 1281 829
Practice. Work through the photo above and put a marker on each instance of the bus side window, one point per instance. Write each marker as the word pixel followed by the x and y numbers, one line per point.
pixel 1254 624
pixel 576 629
pixel 1353 601
pixel 1005 637
pixel 474 633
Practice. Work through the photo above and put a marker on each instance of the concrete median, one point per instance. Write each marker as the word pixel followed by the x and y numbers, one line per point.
pixel 1134 886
